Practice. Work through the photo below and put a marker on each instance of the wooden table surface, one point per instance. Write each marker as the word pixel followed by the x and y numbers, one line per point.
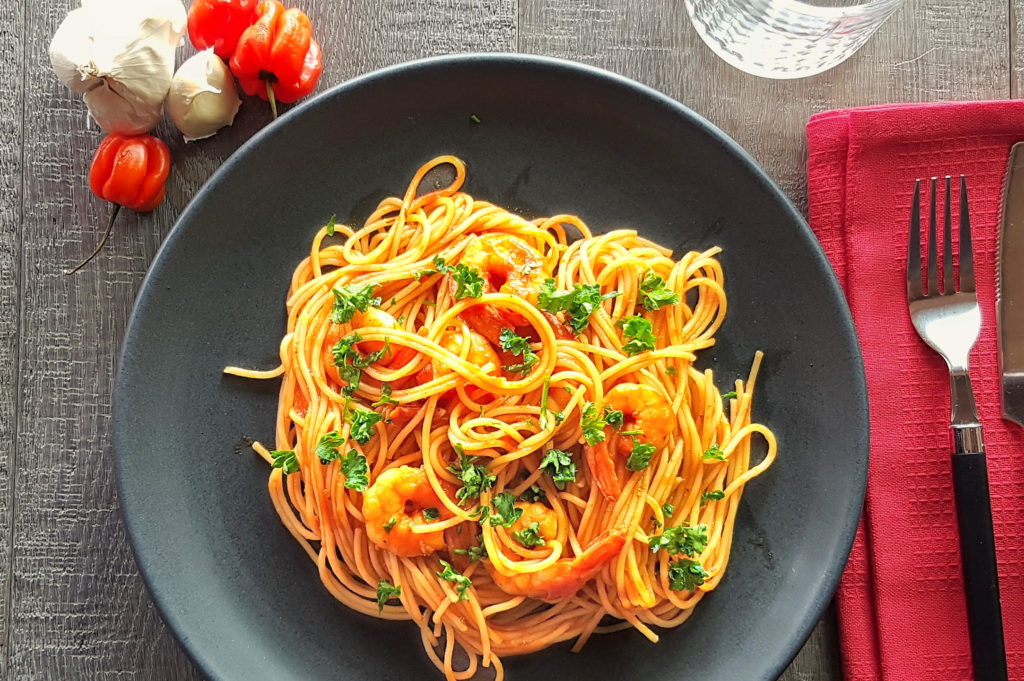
pixel 72 605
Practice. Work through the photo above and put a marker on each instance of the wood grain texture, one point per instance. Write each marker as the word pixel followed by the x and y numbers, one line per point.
pixel 77 607
pixel 923 53
pixel 11 145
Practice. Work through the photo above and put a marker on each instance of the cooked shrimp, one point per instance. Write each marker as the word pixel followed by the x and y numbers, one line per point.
pixel 471 346
pixel 396 356
pixel 509 265
pixel 535 512
pixel 393 505
pixel 566 576
pixel 643 409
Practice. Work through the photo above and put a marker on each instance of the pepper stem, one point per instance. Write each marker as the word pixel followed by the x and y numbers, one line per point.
pixel 271 98
pixel 106 234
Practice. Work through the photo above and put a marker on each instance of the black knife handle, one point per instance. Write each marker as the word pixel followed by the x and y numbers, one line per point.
pixel 978 551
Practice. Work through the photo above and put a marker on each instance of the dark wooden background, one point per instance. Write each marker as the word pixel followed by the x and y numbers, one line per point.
pixel 72 605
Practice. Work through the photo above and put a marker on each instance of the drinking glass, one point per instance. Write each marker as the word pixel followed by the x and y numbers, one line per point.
pixel 787 38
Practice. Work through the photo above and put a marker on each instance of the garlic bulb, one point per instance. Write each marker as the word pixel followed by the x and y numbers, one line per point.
pixel 120 55
pixel 203 98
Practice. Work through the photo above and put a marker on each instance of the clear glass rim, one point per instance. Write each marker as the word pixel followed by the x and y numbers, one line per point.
pixel 839 12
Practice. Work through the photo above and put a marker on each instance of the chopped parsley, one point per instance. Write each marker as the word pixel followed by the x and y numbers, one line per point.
pixel 351 298
pixel 327 447
pixel 473 118
pixel 560 466
pixel 640 457
pixel 529 536
pixel 544 403
pixel 639 335
pixel 385 592
pixel 390 524
pixel 705 497
pixel 686 575
pixel 534 493
pixel 351 362
pixel 578 304
pixel 653 293
pixel 729 395
pixel 440 267
pixel 285 460
pixel 461 581
pixel 668 510
pixel 714 452
pixel 356 472
pixel 474 553
pixel 505 510
pixel 614 417
pixel 362 422
pixel 592 423
pixel 385 396
pixel 330 225
pixel 431 513
pixel 474 476
pixel 469 282
pixel 671 371
pixel 681 540
pixel 517 345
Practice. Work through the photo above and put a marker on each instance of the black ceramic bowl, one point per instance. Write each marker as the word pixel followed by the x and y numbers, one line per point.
pixel 553 137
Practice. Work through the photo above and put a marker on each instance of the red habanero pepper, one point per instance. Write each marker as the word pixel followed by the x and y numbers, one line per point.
pixel 277 57
pixel 130 171
pixel 219 24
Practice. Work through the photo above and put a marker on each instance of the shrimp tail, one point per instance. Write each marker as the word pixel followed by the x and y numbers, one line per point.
pixel 603 467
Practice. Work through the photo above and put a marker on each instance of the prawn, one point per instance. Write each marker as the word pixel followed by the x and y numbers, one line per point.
pixel 508 264
pixel 643 409
pixel 479 353
pixel 394 357
pixel 536 512
pixel 565 576
pixel 393 505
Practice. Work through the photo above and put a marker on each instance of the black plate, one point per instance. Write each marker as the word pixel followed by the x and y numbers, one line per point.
pixel 553 137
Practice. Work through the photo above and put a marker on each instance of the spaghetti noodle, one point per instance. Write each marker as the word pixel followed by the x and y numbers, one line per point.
pixel 495 430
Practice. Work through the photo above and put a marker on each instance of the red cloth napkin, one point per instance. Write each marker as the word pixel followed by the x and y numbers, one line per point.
pixel 902 613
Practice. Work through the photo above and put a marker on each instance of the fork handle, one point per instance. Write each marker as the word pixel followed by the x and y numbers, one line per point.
pixel 978 552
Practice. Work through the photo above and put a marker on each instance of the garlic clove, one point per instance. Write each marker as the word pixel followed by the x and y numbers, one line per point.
pixel 203 98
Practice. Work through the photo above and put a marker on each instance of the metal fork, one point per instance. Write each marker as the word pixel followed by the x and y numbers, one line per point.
pixel 949 322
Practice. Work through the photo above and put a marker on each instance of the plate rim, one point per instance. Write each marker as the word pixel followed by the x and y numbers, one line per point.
pixel 851 515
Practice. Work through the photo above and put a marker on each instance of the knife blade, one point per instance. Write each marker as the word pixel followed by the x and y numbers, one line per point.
pixel 1010 288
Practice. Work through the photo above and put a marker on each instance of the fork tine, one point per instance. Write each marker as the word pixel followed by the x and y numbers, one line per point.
pixel 948 285
pixel 933 258
pixel 966 248
pixel 914 250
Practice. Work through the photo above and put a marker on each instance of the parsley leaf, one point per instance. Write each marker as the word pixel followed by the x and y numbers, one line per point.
pixel 578 304
pixel 729 395
pixel 356 472
pixel 351 362
pixel 686 575
pixel 285 460
pixel 560 466
pixel 529 536
pixel 474 553
pixel 668 510
pixel 440 267
pixel 714 452
pixel 684 539
pixel 350 298
pixel 470 283
pixel 330 225
pixel 385 396
pixel 327 447
pixel 653 293
pixel 705 497
pixel 474 476
pixel 390 524
pixel 592 423
pixel 431 513
pixel 362 421
pixel 639 333
pixel 640 457
pixel 671 371
pixel 517 345
pixel 505 510
pixel 461 581
pixel 613 417
pixel 385 592
pixel 534 493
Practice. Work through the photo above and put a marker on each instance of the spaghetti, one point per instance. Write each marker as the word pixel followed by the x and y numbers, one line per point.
pixel 495 430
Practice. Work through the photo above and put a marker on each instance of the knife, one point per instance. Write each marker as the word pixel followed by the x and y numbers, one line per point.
pixel 1010 288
